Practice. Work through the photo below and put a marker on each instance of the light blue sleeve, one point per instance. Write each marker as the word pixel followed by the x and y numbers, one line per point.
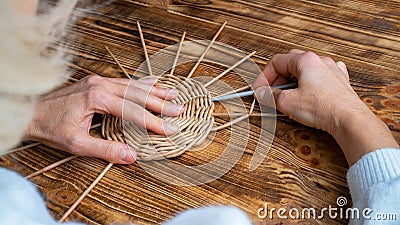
pixel 374 183
pixel 21 204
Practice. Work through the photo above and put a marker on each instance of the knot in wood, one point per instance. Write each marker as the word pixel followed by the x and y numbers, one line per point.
pixel 195 123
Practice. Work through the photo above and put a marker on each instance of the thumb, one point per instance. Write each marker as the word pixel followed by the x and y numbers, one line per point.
pixel 282 100
pixel 265 95
pixel 112 151
pixel 287 102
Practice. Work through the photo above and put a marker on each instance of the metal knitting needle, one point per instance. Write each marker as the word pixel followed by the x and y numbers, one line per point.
pixel 251 92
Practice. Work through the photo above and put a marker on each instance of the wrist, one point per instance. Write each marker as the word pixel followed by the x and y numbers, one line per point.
pixel 351 120
pixel 32 131
pixel 361 132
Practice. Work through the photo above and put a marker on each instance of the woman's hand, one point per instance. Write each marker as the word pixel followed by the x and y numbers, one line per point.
pixel 63 117
pixel 324 99
pixel 324 93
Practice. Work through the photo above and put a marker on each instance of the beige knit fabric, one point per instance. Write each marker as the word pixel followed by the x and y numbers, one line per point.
pixel 25 70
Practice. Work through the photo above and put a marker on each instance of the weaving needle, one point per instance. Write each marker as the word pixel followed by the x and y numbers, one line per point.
pixel 251 92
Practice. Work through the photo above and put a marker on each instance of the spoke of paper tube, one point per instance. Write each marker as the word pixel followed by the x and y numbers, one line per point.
pixel 86 192
pixel 253 114
pixel 52 166
pixel 229 69
pixel 237 119
pixel 21 148
pixel 144 49
pixel 177 54
pixel 205 51
pixel 58 163
pixel 117 62
pixel 234 91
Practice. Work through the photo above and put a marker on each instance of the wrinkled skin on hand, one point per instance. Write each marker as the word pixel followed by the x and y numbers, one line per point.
pixel 325 100
pixel 63 117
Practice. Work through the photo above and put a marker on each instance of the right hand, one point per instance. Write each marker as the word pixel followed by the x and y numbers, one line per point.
pixel 323 96
pixel 325 100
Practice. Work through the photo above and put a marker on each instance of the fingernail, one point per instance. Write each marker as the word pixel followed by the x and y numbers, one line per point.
pixel 127 154
pixel 173 92
pixel 340 63
pixel 260 94
pixel 170 128
pixel 179 108
pixel 149 79
pixel 264 96
pixel 123 153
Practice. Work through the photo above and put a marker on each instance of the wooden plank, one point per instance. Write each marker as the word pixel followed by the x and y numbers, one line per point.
pixel 350 15
pixel 379 8
pixel 303 30
pixel 369 77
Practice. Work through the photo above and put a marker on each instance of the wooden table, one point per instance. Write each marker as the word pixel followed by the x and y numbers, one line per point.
pixel 304 168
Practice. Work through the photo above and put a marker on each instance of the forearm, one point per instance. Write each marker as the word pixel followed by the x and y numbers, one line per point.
pixel 360 133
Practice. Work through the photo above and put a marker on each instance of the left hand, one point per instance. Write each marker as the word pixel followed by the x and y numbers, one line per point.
pixel 63 117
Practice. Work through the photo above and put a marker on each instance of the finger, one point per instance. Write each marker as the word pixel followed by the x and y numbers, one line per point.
pixel 149 80
pixel 270 75
pixel 274 98
pixel 264 96
pixel 279 81
pixel 158 125
pixel 154 103
pixel 328 61
pixel 144 118
pixel 146 84
pixel 343 68
pixel 260 81
pixel 127 110
pixel 296 51
pixel 152 80
pixel 163 93
pixel 286 101
pixel 146 98
pixel 125 81
pixel 112 151
pixel 286 65
pixel 277 66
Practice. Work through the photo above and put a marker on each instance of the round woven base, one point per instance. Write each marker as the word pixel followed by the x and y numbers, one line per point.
pixel 195 123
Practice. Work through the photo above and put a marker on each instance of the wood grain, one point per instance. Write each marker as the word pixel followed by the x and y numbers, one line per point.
pixel 304 167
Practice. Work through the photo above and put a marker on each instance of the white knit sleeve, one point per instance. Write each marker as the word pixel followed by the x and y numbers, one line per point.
pixel 374 183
